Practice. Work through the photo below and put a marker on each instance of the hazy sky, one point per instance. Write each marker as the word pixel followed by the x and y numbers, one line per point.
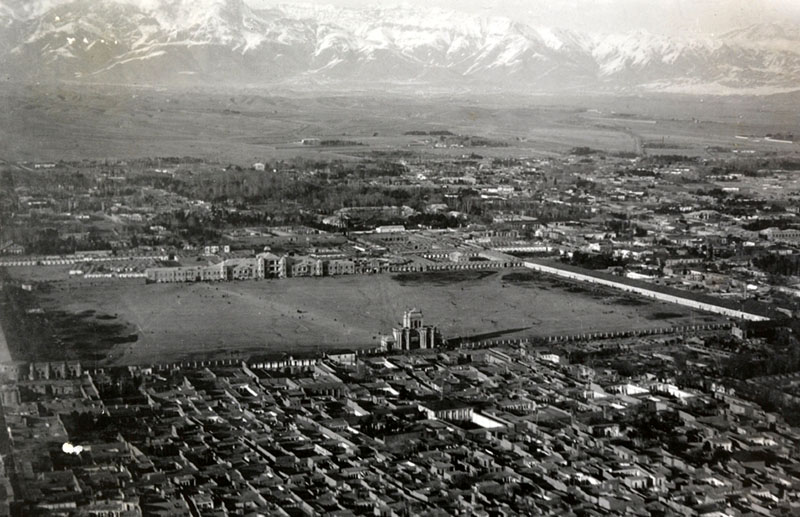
pixel 663 16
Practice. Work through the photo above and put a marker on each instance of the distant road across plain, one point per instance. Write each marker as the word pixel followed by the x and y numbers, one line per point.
pixel 5 353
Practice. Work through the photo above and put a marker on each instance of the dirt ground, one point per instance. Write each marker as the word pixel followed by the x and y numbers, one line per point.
pixel 176 321
pixel 92 121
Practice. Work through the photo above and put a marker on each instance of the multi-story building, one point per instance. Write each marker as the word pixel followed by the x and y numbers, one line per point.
pixel 244 269
pixel 214 272
pixel 213 250
pixel 413 334
pixel 776 234
pixel 336 267
pixel 297 266
pixel 11 248
pixel 264 265
pixel 271 265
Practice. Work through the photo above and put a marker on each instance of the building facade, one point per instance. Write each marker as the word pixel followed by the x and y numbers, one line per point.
pixel 211 273
pixel 413 335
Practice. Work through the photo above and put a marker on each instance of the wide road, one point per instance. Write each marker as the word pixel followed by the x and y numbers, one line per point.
pixel 5 353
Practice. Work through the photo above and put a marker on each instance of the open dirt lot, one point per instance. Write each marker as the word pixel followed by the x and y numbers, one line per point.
pixel 69 122
pixel 176 321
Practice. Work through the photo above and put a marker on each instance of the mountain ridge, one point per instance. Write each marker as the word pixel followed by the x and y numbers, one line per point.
pixel 221 42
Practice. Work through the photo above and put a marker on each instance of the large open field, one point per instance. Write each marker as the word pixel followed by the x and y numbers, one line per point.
pixel 176 321
pixel 43 123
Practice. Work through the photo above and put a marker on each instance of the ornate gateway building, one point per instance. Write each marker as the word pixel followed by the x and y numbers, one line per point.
pixel 413 334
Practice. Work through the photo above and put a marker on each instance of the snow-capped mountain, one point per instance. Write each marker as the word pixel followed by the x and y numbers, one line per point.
pixel 228 42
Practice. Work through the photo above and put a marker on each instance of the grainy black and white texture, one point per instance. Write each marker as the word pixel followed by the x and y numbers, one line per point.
pixel 430 258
